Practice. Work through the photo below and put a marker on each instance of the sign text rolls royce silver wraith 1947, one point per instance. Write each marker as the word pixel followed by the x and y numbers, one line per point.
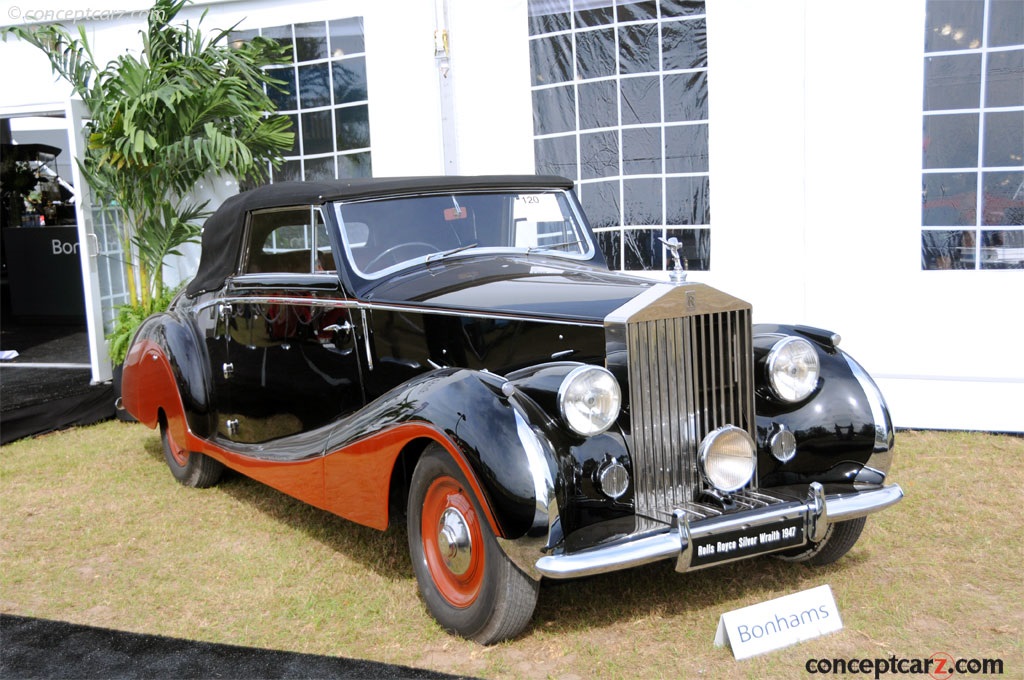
pixel 455 351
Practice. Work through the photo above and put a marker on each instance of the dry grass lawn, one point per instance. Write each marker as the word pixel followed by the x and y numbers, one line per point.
pixel 95 531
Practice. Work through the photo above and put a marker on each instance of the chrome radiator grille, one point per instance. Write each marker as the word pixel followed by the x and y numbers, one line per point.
pixel 689 374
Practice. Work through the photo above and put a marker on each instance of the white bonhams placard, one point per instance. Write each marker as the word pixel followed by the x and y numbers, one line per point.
pixel 779 623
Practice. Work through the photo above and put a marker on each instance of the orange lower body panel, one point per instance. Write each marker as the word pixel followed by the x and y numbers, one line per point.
pixel 353 482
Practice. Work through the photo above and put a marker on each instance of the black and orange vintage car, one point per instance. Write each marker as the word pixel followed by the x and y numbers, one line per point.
pixel 454 351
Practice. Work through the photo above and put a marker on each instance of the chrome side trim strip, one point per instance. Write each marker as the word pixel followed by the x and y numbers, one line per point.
pixel 356 305
pixel 671 541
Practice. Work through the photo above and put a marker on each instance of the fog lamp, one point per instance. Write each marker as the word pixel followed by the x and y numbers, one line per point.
pixel 613 479
pixel 728 458
pixel 782 443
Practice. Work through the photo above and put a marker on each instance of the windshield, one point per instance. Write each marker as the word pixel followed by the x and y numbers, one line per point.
pixel 381 236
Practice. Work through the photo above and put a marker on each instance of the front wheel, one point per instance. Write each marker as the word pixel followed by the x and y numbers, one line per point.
pixel 839 539
pixel 188 467
pixel 469 585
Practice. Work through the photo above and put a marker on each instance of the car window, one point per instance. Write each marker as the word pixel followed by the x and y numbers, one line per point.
pixel 290 240
pixel 539 222
pixel 385 235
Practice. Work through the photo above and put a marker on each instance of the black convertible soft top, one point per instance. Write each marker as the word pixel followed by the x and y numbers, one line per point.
pixel 222 233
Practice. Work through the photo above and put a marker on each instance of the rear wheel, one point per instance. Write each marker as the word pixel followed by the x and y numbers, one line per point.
pixel 467 582
pixel 188 467
pixel 840 537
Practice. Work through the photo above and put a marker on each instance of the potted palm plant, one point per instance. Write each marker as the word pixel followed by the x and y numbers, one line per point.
pixel 185 106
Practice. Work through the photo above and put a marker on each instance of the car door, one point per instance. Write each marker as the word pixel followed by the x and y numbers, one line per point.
pixel 290 357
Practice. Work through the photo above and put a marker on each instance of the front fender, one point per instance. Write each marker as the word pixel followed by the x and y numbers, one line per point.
pixel 490 433
pixel 843 431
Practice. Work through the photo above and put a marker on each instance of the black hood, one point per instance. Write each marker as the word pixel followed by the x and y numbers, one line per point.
pixel 534 286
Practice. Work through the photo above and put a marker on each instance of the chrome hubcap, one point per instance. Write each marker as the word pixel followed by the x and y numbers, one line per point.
pixel 454 542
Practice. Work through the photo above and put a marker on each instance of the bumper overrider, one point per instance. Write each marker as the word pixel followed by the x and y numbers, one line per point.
pixel 728 537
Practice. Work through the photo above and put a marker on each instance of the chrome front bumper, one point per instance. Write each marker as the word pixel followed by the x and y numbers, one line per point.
pixel 676 541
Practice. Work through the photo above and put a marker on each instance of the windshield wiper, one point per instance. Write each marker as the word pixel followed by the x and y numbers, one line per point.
pixel 553 246
pixel 434 257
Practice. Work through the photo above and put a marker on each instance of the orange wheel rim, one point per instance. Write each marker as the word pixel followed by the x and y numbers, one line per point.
pixel 453 542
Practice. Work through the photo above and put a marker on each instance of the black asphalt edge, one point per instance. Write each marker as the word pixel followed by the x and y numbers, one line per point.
pixel 38 648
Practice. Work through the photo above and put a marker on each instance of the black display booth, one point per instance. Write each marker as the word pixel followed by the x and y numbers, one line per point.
pixel 45 375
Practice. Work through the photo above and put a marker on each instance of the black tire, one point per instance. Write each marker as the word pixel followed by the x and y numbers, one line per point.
pixel 840 537
pixel 188 467
pixel 478 592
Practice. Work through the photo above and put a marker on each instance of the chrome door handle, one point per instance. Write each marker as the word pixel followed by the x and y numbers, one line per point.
pixel 335 328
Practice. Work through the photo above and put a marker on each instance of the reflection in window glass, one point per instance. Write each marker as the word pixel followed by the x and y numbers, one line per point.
pixel 314 86
pixel 641 198
pixel 601 202
pixel 1006 23
pixel 353 127
pixel 283 93
pixel 638 48
pixel 620 106
pixel 951 141
pixel 556 156
pixel 595 54
pixel 641 100
pixel 1003 199
pixel 1002 249
pixel 973 153
pixel 951 199
pixel 641 153
pixel 1004 138
pixel 310 41
pixel 554 110
pixel 347 37
pixel 317 133
pixel 349 80
pixel 597 104
pixel 599 154
pixel 1005 79
pixel 326 96
pixel 952 82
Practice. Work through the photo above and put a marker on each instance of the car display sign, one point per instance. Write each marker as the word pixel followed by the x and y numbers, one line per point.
pixel 734 545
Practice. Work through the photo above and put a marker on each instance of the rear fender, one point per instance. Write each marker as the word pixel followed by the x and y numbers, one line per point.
pixel 165 369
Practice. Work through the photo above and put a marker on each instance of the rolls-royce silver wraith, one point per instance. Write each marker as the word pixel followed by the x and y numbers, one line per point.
pixel 454 352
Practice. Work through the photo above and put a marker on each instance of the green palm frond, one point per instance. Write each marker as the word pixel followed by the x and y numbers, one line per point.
pixel 188 105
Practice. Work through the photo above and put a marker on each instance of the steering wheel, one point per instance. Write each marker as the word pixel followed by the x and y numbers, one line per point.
pixel 369 266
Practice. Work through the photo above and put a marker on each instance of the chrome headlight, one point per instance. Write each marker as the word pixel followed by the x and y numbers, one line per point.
pixel 793 369
pixel 589 400
pixel 728 458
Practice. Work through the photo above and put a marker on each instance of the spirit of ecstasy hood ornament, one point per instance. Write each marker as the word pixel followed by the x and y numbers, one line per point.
pixel 677 275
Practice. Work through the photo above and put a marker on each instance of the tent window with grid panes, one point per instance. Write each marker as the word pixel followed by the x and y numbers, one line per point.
pixel 324 92
pixel 973 160
pixel 620 101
